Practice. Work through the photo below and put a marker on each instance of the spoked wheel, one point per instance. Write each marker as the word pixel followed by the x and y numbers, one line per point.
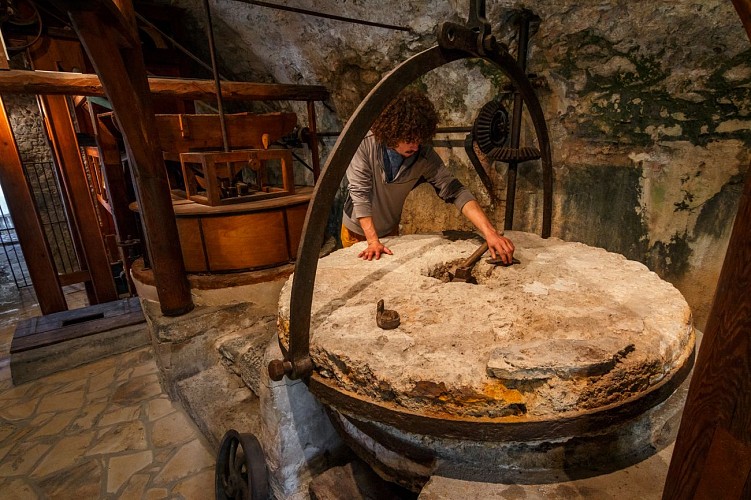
pixel 241 468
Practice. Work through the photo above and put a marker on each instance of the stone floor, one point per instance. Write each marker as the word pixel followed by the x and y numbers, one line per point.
pixel 103 430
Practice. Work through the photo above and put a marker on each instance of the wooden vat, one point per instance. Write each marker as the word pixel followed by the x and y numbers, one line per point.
pixel 240 237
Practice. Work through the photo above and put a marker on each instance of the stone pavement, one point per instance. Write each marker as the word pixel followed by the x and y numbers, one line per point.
pixel 103 430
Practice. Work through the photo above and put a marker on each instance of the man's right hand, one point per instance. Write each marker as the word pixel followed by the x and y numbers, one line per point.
pixel 374 250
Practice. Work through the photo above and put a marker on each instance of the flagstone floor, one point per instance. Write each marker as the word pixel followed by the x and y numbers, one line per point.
pixel 103 430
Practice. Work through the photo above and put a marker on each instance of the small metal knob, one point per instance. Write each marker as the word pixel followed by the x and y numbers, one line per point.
pixel 278 368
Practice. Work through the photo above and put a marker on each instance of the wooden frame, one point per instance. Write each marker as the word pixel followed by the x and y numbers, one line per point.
pixel 226 165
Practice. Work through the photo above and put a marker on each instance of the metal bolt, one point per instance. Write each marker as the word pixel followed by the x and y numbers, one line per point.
pixel 278 368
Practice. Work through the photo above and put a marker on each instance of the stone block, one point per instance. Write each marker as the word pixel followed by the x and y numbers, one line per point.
pixel 200 321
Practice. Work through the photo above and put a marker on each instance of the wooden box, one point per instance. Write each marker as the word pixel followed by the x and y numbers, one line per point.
pixel 211 178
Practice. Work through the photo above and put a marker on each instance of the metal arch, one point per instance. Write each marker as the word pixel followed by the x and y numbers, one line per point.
pixel 457 42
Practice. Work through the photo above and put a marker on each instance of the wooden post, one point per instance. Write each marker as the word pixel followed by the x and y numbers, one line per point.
pixel 115 182
pixel 123 76
pixel 65 145
pixel 21 205
pixel 57 116
pixel 712 455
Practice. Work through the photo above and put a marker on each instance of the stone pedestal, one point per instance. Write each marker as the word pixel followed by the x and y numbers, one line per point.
pixel 296 435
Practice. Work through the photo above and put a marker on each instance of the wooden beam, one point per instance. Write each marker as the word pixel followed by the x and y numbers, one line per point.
pixel 712 455
pixel 72 172
pixel 22 209
pixel 743 9
pixel 717 417
pixel 123 76
pixel 53 82
pixel 57 116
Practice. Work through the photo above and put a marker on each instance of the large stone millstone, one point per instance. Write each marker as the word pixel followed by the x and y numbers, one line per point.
pixel 572 328
pixel 568 331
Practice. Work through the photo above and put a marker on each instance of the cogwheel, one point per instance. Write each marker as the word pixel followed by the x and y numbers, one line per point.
pixel 491 127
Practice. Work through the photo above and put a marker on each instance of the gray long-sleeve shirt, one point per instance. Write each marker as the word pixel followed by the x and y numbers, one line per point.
pixel 370 195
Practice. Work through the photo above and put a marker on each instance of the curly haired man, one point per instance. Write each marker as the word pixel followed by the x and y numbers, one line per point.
pixel 394 158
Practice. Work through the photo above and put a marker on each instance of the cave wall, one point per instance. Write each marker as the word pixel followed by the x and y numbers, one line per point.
pixel 647 104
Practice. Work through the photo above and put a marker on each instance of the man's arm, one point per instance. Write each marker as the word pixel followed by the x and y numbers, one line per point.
pixel 375 247
pixel 498 245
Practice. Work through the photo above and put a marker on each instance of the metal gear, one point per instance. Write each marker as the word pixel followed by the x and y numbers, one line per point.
pixel 491 127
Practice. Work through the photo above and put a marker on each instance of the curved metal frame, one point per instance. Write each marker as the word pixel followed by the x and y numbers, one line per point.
pixel 455 42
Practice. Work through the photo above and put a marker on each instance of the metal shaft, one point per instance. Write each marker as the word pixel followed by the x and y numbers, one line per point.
pixel 472 259
pixel 516 122
pixel 217 83
pixel 325 16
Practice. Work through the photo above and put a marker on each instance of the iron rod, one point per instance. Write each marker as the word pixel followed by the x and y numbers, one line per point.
pixel 177 45
pixel 439 130
pixel 217 83
pixel 516 122
pixel 325 16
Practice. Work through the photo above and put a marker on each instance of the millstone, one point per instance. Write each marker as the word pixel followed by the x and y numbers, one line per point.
pixel 569 329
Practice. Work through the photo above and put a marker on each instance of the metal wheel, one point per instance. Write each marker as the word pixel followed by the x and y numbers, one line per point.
pixel 240 468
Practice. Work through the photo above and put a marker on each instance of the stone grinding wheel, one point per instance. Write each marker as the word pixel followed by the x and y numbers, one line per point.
pixel 571 331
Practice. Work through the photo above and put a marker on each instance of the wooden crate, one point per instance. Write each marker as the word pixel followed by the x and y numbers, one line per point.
pixel 210 176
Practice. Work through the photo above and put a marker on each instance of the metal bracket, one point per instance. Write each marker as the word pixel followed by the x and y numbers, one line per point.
pixel 473 37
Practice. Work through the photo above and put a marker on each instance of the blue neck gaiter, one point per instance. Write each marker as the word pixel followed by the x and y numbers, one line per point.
pixel 392 162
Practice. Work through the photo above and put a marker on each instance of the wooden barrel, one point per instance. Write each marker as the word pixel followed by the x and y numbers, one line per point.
pixel 241 237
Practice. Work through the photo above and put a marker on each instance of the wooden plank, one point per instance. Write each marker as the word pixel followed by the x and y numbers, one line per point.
pixel 74 277
pixel 123 76
pixel 75 331
pixel 743 9
pixel 191 242
pixel 183 133
pixel 64 83
pixel 295 221
pixel 720 480
pixel 23 210
pixel 49 322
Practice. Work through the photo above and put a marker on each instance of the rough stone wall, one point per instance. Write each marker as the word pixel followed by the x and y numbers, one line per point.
pixel 27 124
pixel 647 105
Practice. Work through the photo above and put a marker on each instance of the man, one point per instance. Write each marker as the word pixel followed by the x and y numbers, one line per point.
pixel 394 158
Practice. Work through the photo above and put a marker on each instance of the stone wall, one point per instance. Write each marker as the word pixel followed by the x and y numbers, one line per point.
pixel 27 125
pixel 647 105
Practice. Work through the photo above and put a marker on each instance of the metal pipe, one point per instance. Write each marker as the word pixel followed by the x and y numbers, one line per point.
pixel 217 83
pixel 177 45
pixel 516 122
pixel 439 130
pixel 325 16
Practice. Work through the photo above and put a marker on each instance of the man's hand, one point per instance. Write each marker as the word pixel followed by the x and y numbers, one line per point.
pixel 500 247
pixel 375 249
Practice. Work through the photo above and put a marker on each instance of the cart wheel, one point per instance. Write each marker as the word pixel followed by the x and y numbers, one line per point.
pixel 241 468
